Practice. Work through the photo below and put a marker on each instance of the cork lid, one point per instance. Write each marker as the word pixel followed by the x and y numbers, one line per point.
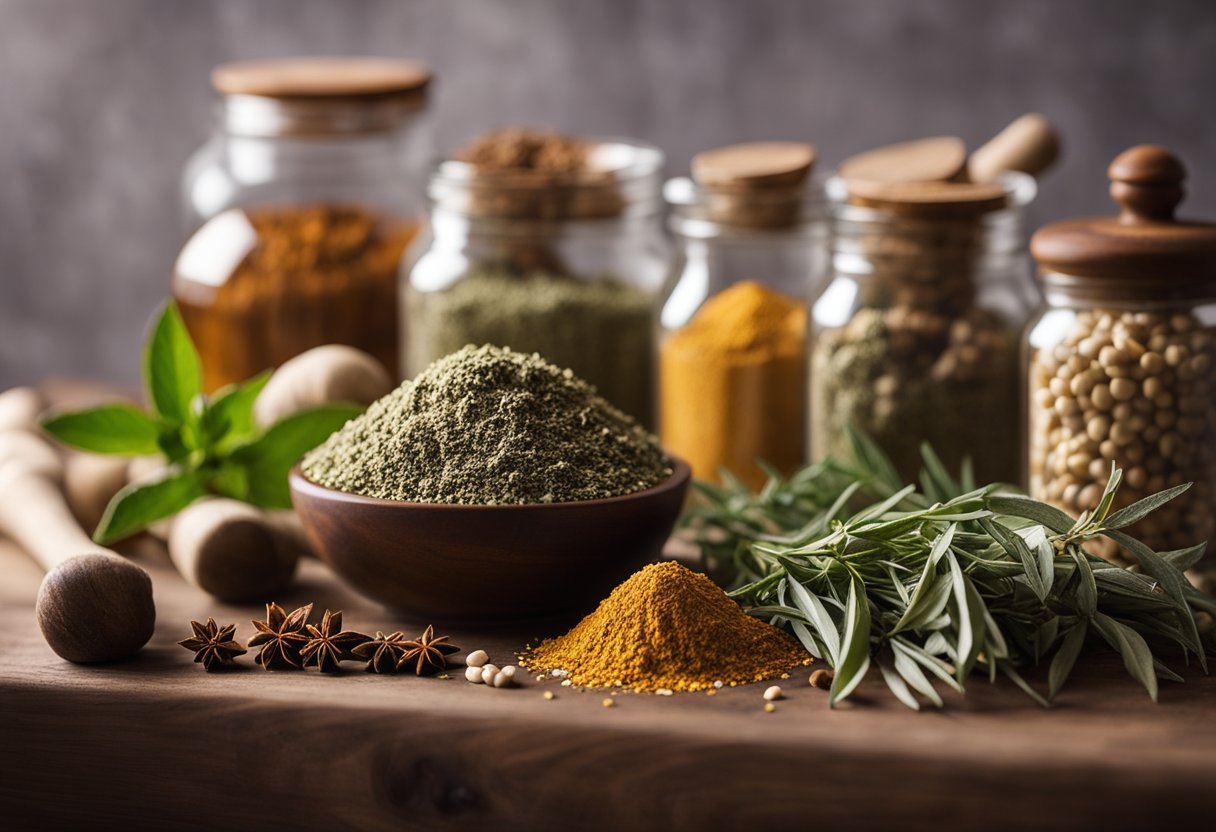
pixel 754 165
pixel 323 78
pixel 942 200
pixel 936 159
pixel 1145 241
pixel 759 185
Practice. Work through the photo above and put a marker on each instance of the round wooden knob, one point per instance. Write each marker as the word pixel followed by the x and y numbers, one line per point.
pixel 1146 182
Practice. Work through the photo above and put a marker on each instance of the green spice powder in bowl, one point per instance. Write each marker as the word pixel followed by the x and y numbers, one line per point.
pixel 493 486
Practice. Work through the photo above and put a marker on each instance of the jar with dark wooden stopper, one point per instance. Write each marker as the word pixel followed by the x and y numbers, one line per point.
pixel 1121 358
pixel 750 248
pixel 300 207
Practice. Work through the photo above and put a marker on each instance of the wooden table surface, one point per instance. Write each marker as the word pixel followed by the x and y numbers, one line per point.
pixel 157 743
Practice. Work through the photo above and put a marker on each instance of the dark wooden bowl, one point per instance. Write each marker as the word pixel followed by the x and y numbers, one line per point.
pixel 481 564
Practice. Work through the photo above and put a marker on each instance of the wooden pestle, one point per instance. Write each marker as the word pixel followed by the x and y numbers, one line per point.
pixel 1028 144
pixel 231 549
pixel 93 606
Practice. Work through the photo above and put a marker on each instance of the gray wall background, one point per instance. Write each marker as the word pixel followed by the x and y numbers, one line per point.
pixel 101 103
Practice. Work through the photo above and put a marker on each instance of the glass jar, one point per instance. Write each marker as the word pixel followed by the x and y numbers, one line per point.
pixel 1121 358
pixel 301 205
pixel 732 325
pixel 915 335
pixel 568 266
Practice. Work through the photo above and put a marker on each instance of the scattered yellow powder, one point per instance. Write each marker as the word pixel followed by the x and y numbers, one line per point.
pixel 670 628
pixel 733 384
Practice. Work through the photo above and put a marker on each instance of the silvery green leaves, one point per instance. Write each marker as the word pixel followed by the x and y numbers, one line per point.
pixel 211 444
pixel 946 583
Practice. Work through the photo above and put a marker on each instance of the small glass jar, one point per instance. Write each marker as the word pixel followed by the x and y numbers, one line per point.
pixel 568 266
pixel 301 205
pixel 915 334
pixel 1121 358
pixel 732 325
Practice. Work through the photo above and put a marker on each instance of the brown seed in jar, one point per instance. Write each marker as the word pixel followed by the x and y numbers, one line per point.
pixel 1058 387
pixel 1090 496
pixel 1078 464
pixel 1176 354
pixel 1109 355
pixel 1200 364
pixel 1098 468
pixel 1097 427
pixel 1101 397
pixel 1068 494
pixel 1067 406
pixel 1121 433
pixel 1108 449
pixel 1122 389
pixel 1152 362
pixel 1130 347
pixel 1082 383
pixel 1152 387
pixel 1136 477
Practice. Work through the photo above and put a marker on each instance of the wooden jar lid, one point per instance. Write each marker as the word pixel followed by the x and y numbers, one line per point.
pixel 324 78
pixel 760 185
pixel 937 200
pixel 936 159
pixel 1144 241
pixel 754 165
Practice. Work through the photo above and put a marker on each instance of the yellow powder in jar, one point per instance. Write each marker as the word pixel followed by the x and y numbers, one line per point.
pixel 667 628
pixel 733 384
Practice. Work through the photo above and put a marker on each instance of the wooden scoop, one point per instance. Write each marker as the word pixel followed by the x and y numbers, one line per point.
pixel 93 606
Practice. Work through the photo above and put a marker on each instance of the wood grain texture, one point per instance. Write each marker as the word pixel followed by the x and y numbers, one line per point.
pixel 155 742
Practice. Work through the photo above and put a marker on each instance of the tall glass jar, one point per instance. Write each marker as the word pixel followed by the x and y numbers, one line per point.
pixel 567 265
pixel 301 205
pixel 915 335
pixel 1121 359
pixel 751 246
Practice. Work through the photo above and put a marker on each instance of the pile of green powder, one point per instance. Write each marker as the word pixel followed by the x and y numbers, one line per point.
pixel 601 329
pixel 487 425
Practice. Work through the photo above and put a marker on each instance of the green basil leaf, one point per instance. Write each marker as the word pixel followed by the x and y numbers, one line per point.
pixel 173 373
pixel 120 429
pixel 140 504
pixel 268 459
pixel 228 416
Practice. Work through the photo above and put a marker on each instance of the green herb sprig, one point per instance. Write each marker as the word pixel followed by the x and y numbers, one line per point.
pixel 211 443
pixel 931 584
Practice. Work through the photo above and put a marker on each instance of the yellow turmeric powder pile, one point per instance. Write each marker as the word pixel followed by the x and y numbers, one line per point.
pixel 733 385
pixel 667 627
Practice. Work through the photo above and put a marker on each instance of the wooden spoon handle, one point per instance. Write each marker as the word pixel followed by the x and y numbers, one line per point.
pixel 34 513
pixel 1029 145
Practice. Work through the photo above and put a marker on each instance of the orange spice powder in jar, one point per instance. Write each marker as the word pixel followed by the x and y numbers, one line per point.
pixel 259 286
pixel 733 384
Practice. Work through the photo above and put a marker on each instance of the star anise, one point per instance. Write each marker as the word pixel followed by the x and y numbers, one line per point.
pixel 383 652
pixel 281 637
pixel 329 644
pixel 428 653
pixel 213 645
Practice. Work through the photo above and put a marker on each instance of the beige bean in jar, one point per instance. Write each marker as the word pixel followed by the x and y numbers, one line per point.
pixel 1133 388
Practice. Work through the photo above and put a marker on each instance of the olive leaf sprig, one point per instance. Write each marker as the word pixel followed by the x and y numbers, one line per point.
pixel 930 585
pixel 211 444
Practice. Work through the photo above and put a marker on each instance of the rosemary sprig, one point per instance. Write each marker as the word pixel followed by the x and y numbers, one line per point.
pixel 932 583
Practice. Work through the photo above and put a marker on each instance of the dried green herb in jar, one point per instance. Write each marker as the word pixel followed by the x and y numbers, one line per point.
pixel 485 426
pixel 916 335
pixel 602 330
